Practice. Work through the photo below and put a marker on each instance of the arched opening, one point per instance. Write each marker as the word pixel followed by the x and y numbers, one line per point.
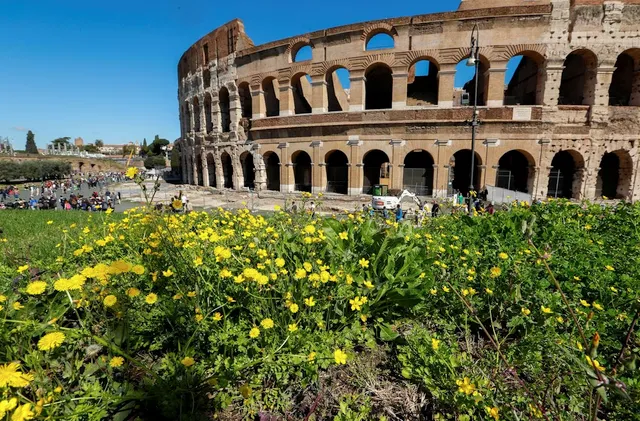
pixel 375 169
pixel 211 167
pixel 225 115
pixel 379 41
pixel 301 171
pixel 422 83
pixel 523 81
pixel 614 176
pixel 227 170
pixel 272 165
pixel 303 53
pixel 199 170
pixel 337 165
pixel 577 86
pixel 187 117
pixel 378 87
pixel 338 85
pixel 206 78
pixel 196 114
pixel 462 171
pixel 301 87
pixel 418 173
pixel 244 92
pixel 271 90
pixel 565 175
pixel 207 113
pixel 248 169
pixel 625 83
pixel 465 83
pixel 513 172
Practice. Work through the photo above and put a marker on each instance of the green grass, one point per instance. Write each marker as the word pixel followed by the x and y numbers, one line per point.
pixel 29 237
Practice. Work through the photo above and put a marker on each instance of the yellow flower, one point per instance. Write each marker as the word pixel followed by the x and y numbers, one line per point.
pixel 138 269
pixel 343 235
pixel 191 294
pixel 495 272
pixel 276 208
pixel 131 172
pixel 49 222
pixel 294 308
pixel 17 306
pixel 503 256
pixel 23 268
pixel 594 363
pixel 609 267
pixel 23 413
pixel 177 297
pixel 597 306
pixel 368 284
pixel 307 266
pixel 188 361
pixel 435 344
pixel 116 362
pixel 493 412
pixel 267 323
pixel 613 289
pixel 560 319
pixel 309 302
pixel 120 266
pixel 364 263
pixel 293 327
pixel 525 311
pixel 546 310
pixel 2 298
pixel 10 376
pixel 585 303
pixel 465 386
pixel 133 292
pixel 167 273
pixel 280 262
pixel 7 406
pixel 151 298
pixel 197 261
pixel 217 316
pixel 433 291
pixel 488 291
pixel 300 274
pixel 199 317
pixel 254 333
pixel 311 356
pixel 446 288
pixel 340 356
pixel 110 300
pixel 310 229
pixel 50 341
pixel 176 204
pixel 36 287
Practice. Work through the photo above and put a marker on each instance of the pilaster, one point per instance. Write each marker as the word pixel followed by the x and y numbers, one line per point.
pixel 446 77
pixel 356 175
pixel 399 93
pixel 319 94
pixel 495 96
pixel 356 94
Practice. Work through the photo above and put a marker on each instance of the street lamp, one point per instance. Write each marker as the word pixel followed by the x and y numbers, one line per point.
pixel 474 61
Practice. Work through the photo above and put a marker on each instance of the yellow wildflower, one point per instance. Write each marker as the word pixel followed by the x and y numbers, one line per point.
pixel 23 413
pixel 503 256
pixel 188 361
pixel 293 327
pixel 133 292
pixel 493 412
pixel 546 310
pixel 495 272
pixel 254 333
pixel 293 308
pixel 340 356
pixel 131 172
pixel 138 269
pixel 110 300
pixel 267 323
pixel 594 363
pixel 116 362
pixel 309 301
pixel 343 235
pixel 23 268
pixel 525 311
pixel 465 386
pixel 51 341
pixel 435 344
pixel 36 287
pixel 151 298
pixel 364 263
pixel 11 376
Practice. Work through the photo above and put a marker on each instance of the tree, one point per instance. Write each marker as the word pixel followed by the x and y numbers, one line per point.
pixel 31 143
pixel 158 143
pixel 61 141
pixel 90 148
pixel 157 161
pixel 127 149
pixel 175 160
pixel 144 150
pixel 99 143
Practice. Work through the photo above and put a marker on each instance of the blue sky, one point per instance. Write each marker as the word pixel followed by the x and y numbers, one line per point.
pixel 107 69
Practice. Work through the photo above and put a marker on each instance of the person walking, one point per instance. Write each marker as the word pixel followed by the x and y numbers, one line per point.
pixel 399 213
pixel 435 209
pixel 312 209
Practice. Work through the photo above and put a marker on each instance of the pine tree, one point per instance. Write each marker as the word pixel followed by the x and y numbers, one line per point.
pixel 31 143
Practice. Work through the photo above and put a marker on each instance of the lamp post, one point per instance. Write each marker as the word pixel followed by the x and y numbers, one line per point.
pixel 474 60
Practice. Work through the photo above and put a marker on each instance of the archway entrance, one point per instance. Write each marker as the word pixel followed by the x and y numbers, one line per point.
pixel 337 172
pixel 272 164
pixel 418 173
pixel 211 166
pixel 614 176
pixel 374 169
pixel 227 170
pixel 462 171
pixel 378 87
pixel 248 170
pixel 564 180
pixel 578 79
pixel 525 86
pixel 199 170
pixel 301 171
pixel 513 172
pixel 422 83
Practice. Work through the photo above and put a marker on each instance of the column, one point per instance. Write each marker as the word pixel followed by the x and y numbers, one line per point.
pixel 543 171
pixel 553 78
pixel 446 77
pixel 319 93
pixel 399 94
pixel 441 170
pixel 217 159
pixel 205 168
pixel 183 166
pixel 192 122
pixel 287 106
pixel 397 164
pixel 203 118
pixel 235 113
pixel 194 168
pixel 257 102
pixel 190 166
pixel 318 170
pixel 495 96
pixel 215 114
pixel 238 177
pixel 356 176
pixel 286 169
pixel 356 93
pixel 600 110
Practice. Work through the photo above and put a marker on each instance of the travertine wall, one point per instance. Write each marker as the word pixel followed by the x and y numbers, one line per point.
pixel 257 108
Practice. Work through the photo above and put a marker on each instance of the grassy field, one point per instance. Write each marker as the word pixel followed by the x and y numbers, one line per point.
pixel 27 236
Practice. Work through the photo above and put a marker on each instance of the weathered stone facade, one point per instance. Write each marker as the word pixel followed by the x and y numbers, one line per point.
pixel 255 116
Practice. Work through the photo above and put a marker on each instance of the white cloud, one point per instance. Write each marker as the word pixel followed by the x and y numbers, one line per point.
pixel 20 129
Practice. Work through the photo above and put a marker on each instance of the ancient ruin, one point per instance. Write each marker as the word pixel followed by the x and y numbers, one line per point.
pixel 280 116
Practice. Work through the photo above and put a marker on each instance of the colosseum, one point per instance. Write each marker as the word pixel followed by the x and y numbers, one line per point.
pixel 342 109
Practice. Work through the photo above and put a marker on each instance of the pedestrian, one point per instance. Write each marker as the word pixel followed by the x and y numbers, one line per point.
pixel 385 214
pixel 435 209
pixel 399 213
pixel 294 207
pixel 312 209
pixel 490 209
pixel 187 207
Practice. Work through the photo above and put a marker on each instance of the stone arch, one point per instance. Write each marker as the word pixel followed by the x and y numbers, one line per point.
pixel 468 87
pixel 187 116
pixel 211 168
pixel 625 82
pixel 515 171
pixel 526 86
pixel 225 110
pixel 271 90
pixel 378 28
pixel 301 171
pixel 380 41
pixel 375 169
pixel 378 87
pixel 565 175
pixel 272 166
pixel 227 170
pixel 417 174
pixel 246 106
pixel 301 87
pixel 199 170
pixel 577 86
pixel 337 167
pixel 615 175
pixel 302 52
pixel 295 45
pixel 337 93
pixel 196 114
pixel 423 81
pixel 248 169
pixel 207 113
pixel 462 171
